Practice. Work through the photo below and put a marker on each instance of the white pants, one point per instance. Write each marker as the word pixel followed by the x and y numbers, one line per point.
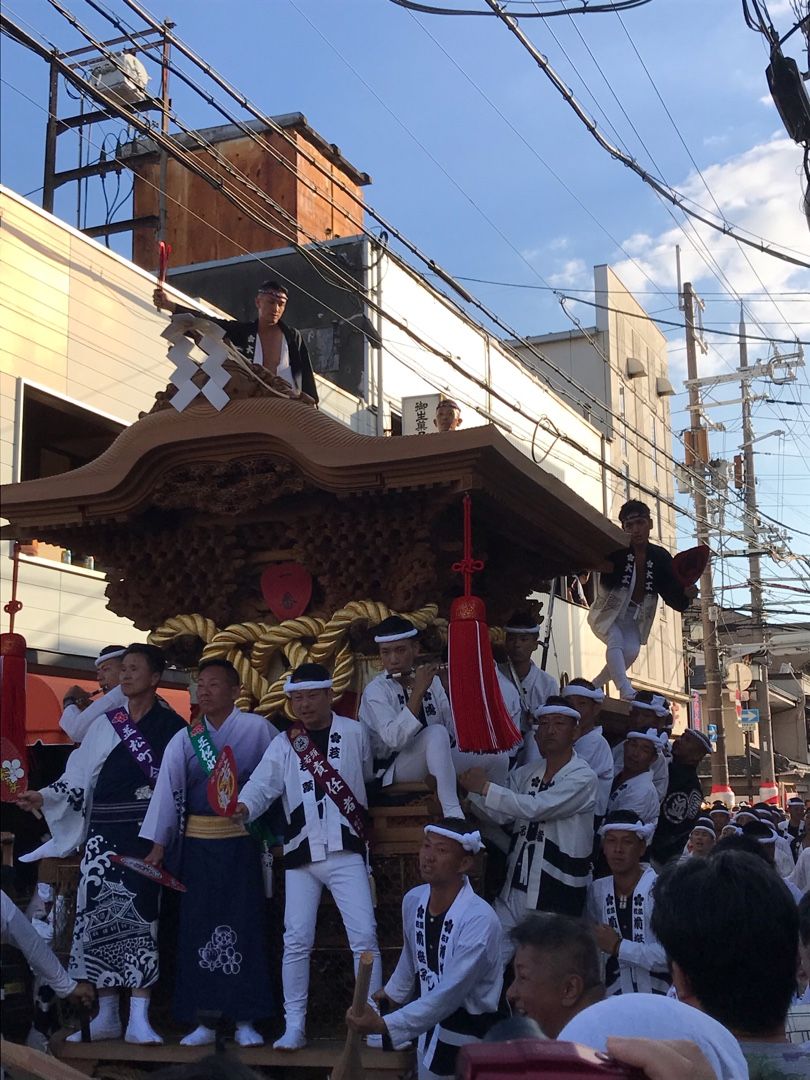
pixel 429 753
pixel 345 875
pixel 510 911
pixel 622 648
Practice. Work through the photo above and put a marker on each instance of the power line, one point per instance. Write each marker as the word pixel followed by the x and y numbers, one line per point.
pixel 668 193
pixel 352 285
pixel 681 326
pixel 486 386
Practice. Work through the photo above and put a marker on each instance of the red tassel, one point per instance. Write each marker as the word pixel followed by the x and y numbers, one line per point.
pixel 13 753
pixel 482 720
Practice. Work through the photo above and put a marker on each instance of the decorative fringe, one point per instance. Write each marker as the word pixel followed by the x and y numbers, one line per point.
pixel 482 721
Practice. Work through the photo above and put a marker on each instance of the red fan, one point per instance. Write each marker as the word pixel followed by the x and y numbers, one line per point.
pixel 222 784
pixel 482 721
pixel 13 772
pixel 164 251
pixel 689 565
pixel 145 869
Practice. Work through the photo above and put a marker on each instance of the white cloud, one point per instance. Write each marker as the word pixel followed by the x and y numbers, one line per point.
pixel 573 272
pixel 760 191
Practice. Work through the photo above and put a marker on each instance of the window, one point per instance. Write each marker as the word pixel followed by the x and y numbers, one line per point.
pixel 396 423
pixel 56 437
pixel 59 435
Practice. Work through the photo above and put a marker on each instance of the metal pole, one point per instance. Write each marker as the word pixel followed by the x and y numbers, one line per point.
pixel 552 592
pixel 711 658
pixel 767 766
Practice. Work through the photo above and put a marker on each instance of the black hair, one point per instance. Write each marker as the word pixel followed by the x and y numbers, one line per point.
pixel 803 910
pixel 633 508
pixel 739 842
pixel 556 700
pixel 579 681
pixel 730 924
pixel 514 1027
pixel 272 286
pixel 154 656
pixel 111 649
pixel 226 665
pixel 564 942
pixel 310 673
pixel 456 825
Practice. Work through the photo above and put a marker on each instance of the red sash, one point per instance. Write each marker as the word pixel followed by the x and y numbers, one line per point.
pixel 328 780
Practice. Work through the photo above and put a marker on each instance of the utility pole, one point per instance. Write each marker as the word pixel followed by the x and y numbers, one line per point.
pixel 698 445
pixel 767 767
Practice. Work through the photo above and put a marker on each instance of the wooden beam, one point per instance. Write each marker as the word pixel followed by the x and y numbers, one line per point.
pixel 36 1063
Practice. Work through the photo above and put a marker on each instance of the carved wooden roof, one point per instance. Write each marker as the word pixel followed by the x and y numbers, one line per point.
pixel 184 511
pixel 259 450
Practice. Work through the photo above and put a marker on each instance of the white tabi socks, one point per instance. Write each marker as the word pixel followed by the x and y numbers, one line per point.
pixel 139 1030
pixel 247 1035
pixel 200 1036
pixel 292 1039
pixel 107 1025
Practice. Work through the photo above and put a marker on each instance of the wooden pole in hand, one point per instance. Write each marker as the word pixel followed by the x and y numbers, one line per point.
pixel 349 1066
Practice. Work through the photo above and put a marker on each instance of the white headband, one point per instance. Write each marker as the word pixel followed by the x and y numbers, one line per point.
pixel 557 710
pixel 706 828
pixel 649 706
pixel 385 638
pixel 522 629
pixel 99 660
pixel 575 690
pixel 470 841
pixel 651 736
pixel 642 830
pixel 291 687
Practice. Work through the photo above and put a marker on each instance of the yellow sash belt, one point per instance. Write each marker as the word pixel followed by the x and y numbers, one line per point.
pixel 205 827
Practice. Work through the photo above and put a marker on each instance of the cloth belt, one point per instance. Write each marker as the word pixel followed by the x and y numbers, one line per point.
pixel 208 827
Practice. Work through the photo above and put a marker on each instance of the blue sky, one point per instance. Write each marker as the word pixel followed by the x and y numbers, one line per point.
pixel 459 130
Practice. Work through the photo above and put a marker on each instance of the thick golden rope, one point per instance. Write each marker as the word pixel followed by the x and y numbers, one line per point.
pixel 184 626
pixel 284 637
pixel 264 641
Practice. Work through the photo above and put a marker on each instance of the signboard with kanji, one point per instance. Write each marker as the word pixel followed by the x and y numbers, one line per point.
pixel 418 414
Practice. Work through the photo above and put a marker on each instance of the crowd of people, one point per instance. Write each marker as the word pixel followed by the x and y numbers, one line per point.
pixel 607 873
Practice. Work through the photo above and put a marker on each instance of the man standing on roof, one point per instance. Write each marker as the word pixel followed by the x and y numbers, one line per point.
pixel 623 610
pixel 267 341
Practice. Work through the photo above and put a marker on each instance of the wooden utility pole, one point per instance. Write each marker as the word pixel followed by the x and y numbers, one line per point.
pixel 698 443
pixel 767 765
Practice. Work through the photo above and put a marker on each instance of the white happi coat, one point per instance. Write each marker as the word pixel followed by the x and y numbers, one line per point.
pixel 282 773
pixel 659 770
pixel 533 691
pixel 248 736
pixel 639 794
pixel 68 801
pixel 594 748
pixel 470 973
pixel 552 839
pixel 76 722
pixel 390 723
pixel 643 964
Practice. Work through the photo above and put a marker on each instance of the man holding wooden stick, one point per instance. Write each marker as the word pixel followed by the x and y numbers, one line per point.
pixel 447 984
